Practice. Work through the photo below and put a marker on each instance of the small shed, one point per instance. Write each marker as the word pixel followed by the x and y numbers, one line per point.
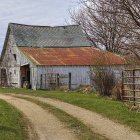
pixel 36 55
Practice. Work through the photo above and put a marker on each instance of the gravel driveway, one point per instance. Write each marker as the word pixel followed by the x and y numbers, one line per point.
pixel 46 125
pixel 96 122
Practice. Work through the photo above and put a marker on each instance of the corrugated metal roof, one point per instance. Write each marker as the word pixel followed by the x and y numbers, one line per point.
pixel 47 36
pixel 71 56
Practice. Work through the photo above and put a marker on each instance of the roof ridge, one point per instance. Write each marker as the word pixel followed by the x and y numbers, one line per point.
pixel 26 25
pixel 41 25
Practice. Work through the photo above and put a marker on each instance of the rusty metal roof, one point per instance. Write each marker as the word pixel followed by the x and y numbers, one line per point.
pixel 71 56
pixel 47 36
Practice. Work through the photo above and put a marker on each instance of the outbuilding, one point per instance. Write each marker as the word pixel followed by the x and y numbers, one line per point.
pixel 41 56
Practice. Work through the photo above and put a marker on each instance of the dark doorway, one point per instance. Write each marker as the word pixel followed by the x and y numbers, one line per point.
pixel 25 76
pixel 3 79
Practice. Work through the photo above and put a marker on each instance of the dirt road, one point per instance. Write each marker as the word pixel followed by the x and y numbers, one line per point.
pixel 46 125
pixel 96 122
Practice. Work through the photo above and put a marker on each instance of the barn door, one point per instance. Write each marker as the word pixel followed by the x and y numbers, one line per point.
pixel 3 76
pixel 25 76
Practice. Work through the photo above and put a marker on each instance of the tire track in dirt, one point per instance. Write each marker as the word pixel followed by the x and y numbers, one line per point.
pixel 46 125
pixel 96 122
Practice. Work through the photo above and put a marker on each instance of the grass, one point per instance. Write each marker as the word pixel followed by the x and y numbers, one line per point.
pixel 80 130
pixel 12 123
pixel 111 109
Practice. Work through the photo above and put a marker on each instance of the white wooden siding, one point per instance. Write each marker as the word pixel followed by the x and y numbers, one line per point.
pixel 79 74
pixel 33 78
pixel 13 67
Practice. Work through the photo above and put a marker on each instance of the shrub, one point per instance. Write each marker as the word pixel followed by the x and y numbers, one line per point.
pixel 103 80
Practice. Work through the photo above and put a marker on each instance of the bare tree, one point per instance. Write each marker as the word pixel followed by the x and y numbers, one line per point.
pixel 104 80
pixel 130 11
pixel 111 24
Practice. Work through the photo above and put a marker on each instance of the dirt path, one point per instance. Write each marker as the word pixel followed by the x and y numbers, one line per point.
pixel 46 125
pixel 96 122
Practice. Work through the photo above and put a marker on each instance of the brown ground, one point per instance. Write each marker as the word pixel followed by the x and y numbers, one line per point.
pixel 96 122
pixel 46 125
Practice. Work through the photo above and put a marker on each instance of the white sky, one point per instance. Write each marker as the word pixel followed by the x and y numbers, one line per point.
pixel 35 12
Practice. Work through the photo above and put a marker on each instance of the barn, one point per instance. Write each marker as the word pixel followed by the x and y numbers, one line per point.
pixel 42 56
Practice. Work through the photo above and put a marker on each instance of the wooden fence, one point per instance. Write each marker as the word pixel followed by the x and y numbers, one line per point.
pixel 131 86
pixel 55 80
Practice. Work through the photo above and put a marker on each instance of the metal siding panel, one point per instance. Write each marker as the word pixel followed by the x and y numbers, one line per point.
pixel 80 56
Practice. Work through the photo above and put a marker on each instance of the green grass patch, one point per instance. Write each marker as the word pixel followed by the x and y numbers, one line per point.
pixel 80 130
pixel 111 109
pixel 12 123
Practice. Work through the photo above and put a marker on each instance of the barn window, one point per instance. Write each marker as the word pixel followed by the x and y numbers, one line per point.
pixel 15 57
pixel 3 71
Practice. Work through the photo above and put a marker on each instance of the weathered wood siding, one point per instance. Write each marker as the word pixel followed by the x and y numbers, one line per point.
pixel 12 66
pixel 33 77
pixel 79 74
pixel 9 63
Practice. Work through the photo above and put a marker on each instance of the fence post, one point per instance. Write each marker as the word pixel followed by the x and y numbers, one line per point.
pixel 45 81
pixel 41 81
pixel 58 80
pixel 134 88
pixel 69 81
pixel 122 85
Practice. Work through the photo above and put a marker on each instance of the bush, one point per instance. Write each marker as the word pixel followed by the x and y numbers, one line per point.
pixel 104 80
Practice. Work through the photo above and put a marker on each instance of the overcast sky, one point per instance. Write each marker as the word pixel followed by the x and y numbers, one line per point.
pixel 35 12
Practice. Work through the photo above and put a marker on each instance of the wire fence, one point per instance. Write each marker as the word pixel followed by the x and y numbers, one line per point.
pixel 131 86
